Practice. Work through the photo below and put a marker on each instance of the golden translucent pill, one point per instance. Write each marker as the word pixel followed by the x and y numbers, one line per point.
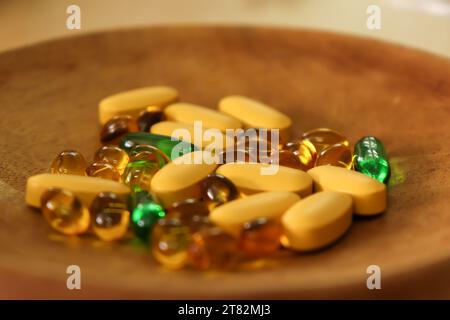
pixel 305 151
pixel 212 248
pixel 181 178
pixel 84 187
pixel 113 155
pixel 149 153
pixel 148 117
pixel 134 101
pixel 339 155
pixel 260 237
pixel 286 158
pixel 252 178
pixel 189 113
pixel 322 138
pixel 217 190
pixel 110 216
pixel 191 212
pixel 170 239
pixel 69 162
pixel 64 211
pixel 232 215
pixel 103 170
pixel 369 195
pixel 118 126
pixel 317 221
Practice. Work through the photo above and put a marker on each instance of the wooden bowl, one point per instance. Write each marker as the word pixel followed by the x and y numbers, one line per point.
pixel 48 102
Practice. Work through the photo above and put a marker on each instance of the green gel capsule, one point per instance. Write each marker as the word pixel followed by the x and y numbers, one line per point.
pixel 371 159
pixel 144 217
pixel 163 143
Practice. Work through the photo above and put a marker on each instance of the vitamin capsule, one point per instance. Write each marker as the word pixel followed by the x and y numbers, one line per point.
pixel 172 148
pixel 64 211
pixel 150 154
pixel 144 217
pixel 212 248
pixel 317 221
pixel 286 158
pixel 189 113
pixel 260 237
pixel 305 151
pixel 115 128
pixel 257 147
pixel 149 117
pixel 339 155
pixel 134 101
pixel 169 243
pixel 85 188
pixel 138 175
pixel 369 195
pixel 371 158
pixel 113 155
pixel 69 162
pixel 110 216
pixel 191 212
pixel 103 170
pixel 186 132
pixel 216 190
pixel 254 114
pixel 271 205
pixel 249 178
pixel 232 155
pixel 322 138
pixel 180 179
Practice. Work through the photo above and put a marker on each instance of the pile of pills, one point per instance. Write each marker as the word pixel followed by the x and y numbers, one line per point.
pixel 206 214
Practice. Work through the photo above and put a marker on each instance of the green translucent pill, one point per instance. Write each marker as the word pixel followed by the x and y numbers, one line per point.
pixel 173 149
pixel 371 159
pixel 144 216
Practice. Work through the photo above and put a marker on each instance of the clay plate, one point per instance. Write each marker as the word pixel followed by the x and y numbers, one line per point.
pixel 48 102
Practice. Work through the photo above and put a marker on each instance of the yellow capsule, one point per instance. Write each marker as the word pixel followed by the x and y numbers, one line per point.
pixel 339 155
pixel 252 178
pixel 317 221
pixel 189 113
pixel 85 188
pixel 322 138
pixel 134 101
pixel 64 211
pixel 369 195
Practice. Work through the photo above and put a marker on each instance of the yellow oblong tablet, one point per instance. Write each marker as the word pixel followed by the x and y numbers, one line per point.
pixel 179 179
pixel 84 187
pixel 369 195
pixel 189 133
pixel 317 221
pixel 255 114
pixel 188 113
pixel 232 215
pixel 249 178
pixel 134 101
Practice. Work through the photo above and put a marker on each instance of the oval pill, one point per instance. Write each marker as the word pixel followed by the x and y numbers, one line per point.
pixel 187 132
pixel 369 195
pixel 232 215
pixel 179 180
pixel 84 187
pixel 316 221
pixel 188 113
pixel 249 178
pixel 255 114
pixel 134 101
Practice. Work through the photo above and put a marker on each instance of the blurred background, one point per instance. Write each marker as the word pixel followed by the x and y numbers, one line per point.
pixel 423 24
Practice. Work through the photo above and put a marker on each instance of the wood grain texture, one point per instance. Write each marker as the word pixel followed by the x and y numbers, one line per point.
pixel 48 101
